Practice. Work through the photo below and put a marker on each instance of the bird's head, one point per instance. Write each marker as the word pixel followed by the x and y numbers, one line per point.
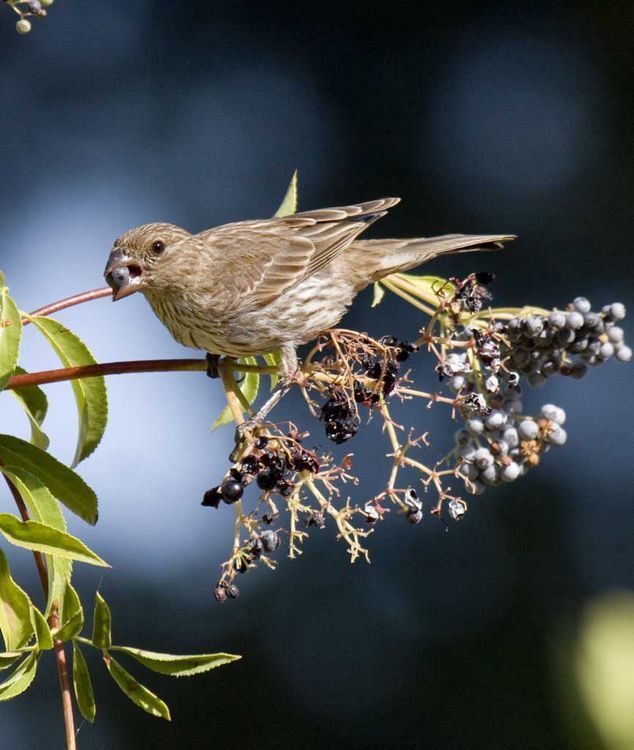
pixel 140 257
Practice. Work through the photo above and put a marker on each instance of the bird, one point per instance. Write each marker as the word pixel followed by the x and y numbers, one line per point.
pixel 253 287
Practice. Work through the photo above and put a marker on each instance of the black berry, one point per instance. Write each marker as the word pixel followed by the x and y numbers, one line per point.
pixel 231 490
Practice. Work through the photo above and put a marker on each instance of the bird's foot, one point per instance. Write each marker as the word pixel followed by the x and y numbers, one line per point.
pixel 213 364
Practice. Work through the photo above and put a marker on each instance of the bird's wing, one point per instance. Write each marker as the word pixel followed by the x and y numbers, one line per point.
pixel 263 259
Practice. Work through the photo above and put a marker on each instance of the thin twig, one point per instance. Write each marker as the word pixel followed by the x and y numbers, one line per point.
pixel 62 304
pixel 231 392
pixel 64 685
pixel 105 368
pixel 60 652
pixel 24 513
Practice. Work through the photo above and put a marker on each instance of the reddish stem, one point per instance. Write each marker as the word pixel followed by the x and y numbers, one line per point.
pixel 76 299
pixel 60 652
pixel 105 368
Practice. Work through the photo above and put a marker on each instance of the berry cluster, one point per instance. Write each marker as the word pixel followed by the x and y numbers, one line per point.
pixel 566 341
pixel 26 8
pixel 503 445
pixel 484 362
pixel 272 461
pixel 483 355
pixel 371 377
pixel 277 463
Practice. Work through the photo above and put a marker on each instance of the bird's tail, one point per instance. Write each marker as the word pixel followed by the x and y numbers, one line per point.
pixel 380 258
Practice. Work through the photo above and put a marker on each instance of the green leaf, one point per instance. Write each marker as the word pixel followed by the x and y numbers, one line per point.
pixel 10 335
pixel 19 681
pixel 175 665
pixel 39 537
pixel 42 631
pixel 7 658
pixel 83 685
pixel 73 615
pixel 15 610
pixel 430 283
pixel 136 692
pixel 35 404
pixel 90 393
pixel 101 623
pixel 379 293
pixel 67 486
pixel 273 359
pixel 289 205
pixel 249 386
pixel 44 507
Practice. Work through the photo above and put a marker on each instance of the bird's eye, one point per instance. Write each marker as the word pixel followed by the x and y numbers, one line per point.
pixel 158 247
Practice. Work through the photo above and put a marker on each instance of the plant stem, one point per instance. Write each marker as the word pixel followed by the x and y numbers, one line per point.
pixel 76 299
pixel 230 390
pixel 64 686
pixel 24 513
pixel 121 368
pixel 105 368
pixel 60 652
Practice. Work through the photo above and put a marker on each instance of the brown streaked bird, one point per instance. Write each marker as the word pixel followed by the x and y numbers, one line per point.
pixel 252 287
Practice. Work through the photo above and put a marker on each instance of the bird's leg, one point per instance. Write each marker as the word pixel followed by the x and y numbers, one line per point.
pixel 213 362
pixel 288 369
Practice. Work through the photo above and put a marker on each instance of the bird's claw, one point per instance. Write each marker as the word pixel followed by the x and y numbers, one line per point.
pixel 213 363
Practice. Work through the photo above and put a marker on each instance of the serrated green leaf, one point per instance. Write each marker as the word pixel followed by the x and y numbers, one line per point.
pixel 44 507
pixel 175 665
pixel 7 658
pixel 289 205
pixel 10 335
pixel 101 623
pixel 39 537
pixel 83 685
pixel 379 293
pixel 90 393
pixel 15 610
pixel 249 386
pixel 136 692
pixel 19 681
pixel 35 404
pixel 67 486
pixel 42 631
pixel 273 359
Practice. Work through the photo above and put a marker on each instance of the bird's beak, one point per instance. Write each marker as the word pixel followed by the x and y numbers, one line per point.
pixel 123 274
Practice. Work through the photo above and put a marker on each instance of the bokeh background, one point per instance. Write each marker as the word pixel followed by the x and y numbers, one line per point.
pixel 511 629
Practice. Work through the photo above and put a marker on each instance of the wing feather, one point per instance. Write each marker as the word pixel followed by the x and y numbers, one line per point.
pixel 273 255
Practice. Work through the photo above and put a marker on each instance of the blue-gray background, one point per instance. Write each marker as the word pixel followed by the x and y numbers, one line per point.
pixel 483 117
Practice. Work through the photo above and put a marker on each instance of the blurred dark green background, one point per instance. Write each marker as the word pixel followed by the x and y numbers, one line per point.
pixel 484 117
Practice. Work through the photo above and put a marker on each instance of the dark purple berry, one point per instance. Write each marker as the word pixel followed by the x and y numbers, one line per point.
pixel 267 479
pixel 249 465
pixel 306 461
pixel 220 594
pixel 273 462
pixel 233 592
pixel 231 490
pixel 284 487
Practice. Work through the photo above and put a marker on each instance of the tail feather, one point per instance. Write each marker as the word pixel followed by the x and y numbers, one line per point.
pixel 380 258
